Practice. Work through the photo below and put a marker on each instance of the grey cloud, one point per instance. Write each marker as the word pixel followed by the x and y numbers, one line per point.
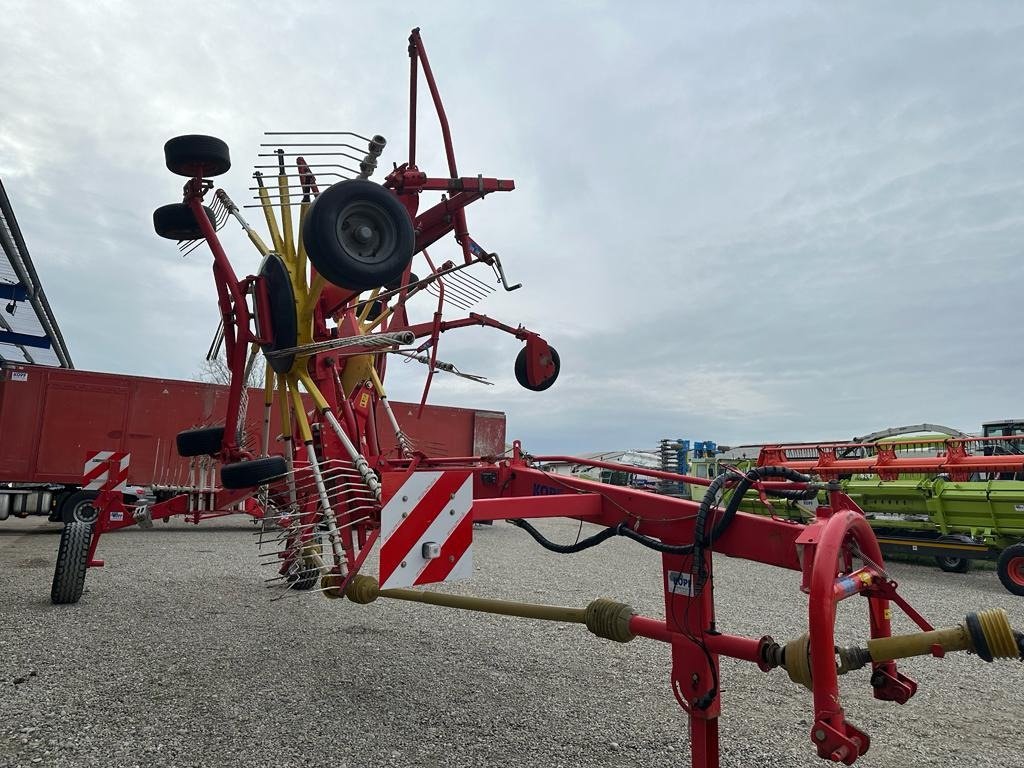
pixel 741 223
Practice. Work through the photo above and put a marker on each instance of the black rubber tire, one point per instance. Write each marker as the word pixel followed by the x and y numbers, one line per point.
pixel 305 577
pixel 953 564
pixel 376 308
pixel 397 283
pixel 197 155
pixel 284 322
pixel 1010 568
pixel 78 508
pixel 176 222
pixel 334 217
pixel 249 474
pixel 521 375
pixel 205 441
pixel 72 562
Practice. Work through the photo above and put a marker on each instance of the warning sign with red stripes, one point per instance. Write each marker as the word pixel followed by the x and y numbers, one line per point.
pixel 427 529
pixel 106 471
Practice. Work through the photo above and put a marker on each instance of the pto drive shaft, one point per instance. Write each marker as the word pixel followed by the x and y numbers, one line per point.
pixel 985 633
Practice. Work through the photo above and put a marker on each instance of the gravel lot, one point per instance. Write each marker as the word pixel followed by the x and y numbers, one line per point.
pixel 176 656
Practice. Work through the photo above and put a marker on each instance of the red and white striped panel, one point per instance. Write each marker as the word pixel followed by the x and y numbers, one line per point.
pixel 428 508
pixel 96 475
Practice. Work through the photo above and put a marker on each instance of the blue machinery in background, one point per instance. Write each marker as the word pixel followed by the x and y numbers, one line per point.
pixel 30 335
pixel 675 457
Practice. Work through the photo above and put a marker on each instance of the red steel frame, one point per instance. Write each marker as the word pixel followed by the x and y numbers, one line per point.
pixel 953 457
pixel 516 489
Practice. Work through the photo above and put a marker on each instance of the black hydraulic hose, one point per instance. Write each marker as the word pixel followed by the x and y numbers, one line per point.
pixel 805 495
pixel 701 540
pixel 565 549
pixel 655 544
pixel 592 541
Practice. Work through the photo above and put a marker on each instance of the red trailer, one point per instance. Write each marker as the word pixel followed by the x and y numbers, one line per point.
pixel 51 419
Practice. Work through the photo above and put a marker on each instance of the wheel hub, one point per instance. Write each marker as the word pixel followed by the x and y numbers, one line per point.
pixel 1016 570
pixel 366 232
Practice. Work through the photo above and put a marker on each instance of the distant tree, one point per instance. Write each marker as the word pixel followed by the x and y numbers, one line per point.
pixel 216 371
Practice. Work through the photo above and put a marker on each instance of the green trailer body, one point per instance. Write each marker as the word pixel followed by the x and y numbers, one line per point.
pixel 954 522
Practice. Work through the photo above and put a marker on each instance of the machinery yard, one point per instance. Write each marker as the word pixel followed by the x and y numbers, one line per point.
pixel 322 551
pixel 158 668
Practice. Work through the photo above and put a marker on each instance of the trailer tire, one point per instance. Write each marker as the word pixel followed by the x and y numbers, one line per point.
pixel 196 155
pixel 249 474
pixel 954 564
pixel 72 562
pixel 79 508
pixel 358 235
pixel 177 222
pixel 205 441
pixel 283 321
pixel 523 378
pixel 307 575
pixel 1010 568
pixel 397 283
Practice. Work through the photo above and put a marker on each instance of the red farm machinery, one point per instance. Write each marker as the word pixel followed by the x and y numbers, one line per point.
pixel 329 307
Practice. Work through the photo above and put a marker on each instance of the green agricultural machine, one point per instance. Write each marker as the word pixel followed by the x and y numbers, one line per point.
pixel 954 497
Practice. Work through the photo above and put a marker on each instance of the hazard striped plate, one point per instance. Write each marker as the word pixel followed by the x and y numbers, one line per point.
pixel 426 528
pixel 96 475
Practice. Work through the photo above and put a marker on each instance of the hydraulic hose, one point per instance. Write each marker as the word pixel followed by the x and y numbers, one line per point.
pixel 703 540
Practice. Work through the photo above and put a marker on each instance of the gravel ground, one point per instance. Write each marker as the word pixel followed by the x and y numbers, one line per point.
pixel 176 656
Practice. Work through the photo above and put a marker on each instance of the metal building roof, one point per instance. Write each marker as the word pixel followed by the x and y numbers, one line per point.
pixel 28 330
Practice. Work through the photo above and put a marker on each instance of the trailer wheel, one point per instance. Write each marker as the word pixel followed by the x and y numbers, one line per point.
pixel 200 442
pixel 79 508
pixel 283 321
pixel 72 561
pixel 953 564
pixel 307 574
pixel 523 379
pixel 1010 568
pixel 397 283
pixel 197 155
pixel 176 222
pixel 249 474
pixel 358 235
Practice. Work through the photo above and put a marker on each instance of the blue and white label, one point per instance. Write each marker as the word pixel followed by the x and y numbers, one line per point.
pixel 679 583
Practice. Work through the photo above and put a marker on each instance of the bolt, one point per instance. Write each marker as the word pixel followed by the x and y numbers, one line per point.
pixel 405 498
pixel 451 511
pixel 403 563
pixel 451 558
pixel 405 514
pixel 819 735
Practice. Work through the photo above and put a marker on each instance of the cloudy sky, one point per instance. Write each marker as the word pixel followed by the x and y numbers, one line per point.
pixel 741 223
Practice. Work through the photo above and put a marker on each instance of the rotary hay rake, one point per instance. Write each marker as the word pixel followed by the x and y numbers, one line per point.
pixel 330 303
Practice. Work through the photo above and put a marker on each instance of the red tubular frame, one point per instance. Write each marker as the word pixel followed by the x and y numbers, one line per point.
pixel 953 458
pixel 514 488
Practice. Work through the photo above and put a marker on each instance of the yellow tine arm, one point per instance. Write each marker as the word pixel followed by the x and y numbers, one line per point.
pixel 268 213
pixel 314 391
pixel 300 411
pixel 286 214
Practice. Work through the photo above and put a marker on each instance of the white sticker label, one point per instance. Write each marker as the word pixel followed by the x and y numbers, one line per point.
pixel 680 583
pixel 1018 507
pixel 116 515
pixel 19 375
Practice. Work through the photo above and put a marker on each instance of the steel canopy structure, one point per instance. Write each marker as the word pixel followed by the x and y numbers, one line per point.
pixel 26 335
